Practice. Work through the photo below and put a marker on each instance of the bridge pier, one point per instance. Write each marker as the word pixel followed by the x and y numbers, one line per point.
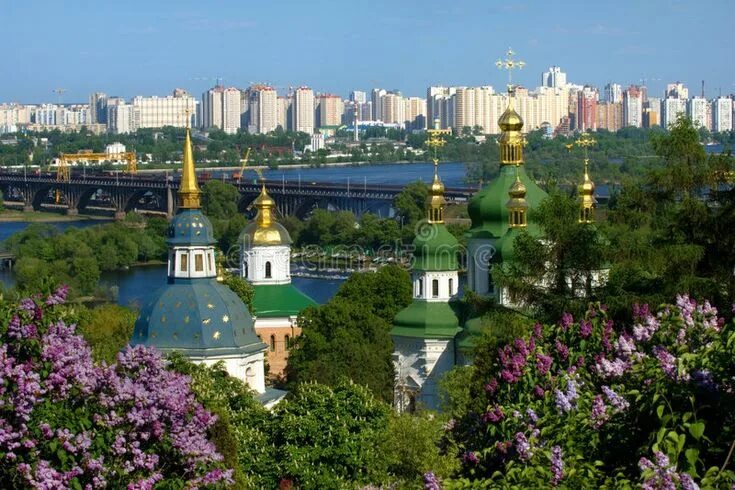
pixel 119 215
pixel 72 211
pixel 28 208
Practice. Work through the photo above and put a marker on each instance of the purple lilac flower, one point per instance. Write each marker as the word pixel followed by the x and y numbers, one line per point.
pixel 625 347
pixel 538 329
pixel 539 391
pixel 585 328
pixel 431 482
pixel 562 350
pixel 599 412
pixel 661 474
pixel 492 386
pixel 58 297
pixel 543 363
pixel 523 448
pixel 667 361
pixel 531 415
pixel 566 321
pixel 494 416
pixel 619 403
pixel 607 332
pixel 611 369
pixel 687 307
pixel 557 465
pixel 565 401
pixel 470 457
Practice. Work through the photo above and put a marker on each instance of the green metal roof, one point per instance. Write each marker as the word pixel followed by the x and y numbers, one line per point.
pixel 487 208
pixel 471 333
pixel 424 319
pixel 435 249
pixel 279 300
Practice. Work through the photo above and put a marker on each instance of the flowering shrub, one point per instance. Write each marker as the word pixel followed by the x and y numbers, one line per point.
pixel 587 403
pixel 66 422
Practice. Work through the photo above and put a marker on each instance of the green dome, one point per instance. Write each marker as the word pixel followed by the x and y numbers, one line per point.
pixel 197 317
pixel 434 248
pixel 505 246
pixel 190 227
pixel 471 333
pixel 488 210
pixel 426 319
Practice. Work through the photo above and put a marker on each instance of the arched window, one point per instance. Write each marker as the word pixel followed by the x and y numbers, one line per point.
pixel 184 262
pixel 249 374
pixel 451 286
pixel 199 263
pixel 287 340
pixel 245 269
pixel 273 343
pixel 435 288
pixel 267 270
pixel 421 287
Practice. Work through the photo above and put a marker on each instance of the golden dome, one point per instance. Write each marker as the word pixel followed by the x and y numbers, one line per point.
pixel 517 190
pixel 264 230
pixel 587 187
pixel 510 120
pixel 435 201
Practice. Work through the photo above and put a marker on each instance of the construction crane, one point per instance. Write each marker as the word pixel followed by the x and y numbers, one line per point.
pixel 244 161
pixel 62 173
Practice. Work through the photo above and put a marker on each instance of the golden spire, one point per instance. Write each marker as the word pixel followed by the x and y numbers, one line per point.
pixel 189 193
pixel 586 189
pixel 435 201
pixel 265 204
pixel 517 205
pixel 511 139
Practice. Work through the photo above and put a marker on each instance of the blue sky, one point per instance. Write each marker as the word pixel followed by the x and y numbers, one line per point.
pixel 133 47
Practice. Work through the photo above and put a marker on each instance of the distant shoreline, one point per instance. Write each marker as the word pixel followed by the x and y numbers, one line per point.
pixel 14 216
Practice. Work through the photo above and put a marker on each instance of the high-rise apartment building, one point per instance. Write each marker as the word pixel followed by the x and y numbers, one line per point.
pixel 376 97
pixel 262 109
pixel 610 115
pixel 222 108
pixel 358 96
pixel 415 113
pixel 283 112
pixel 697 110
pixel 554 78
pixel 303 110
pixel 676 91
pixel 211 108
pixel 14 116
pixel 157 112
pixel 330 109
pixel 671 109
pixel 231 110
pixel 652 112
pixel 120 118
pixel 98 108
pixel 587 109
pixel 613 93
pixel 722 109
pixel 393 108
pixel 633 107
pixel 439 105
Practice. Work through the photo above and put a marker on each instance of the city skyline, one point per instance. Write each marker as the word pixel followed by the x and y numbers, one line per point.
pixel 138 48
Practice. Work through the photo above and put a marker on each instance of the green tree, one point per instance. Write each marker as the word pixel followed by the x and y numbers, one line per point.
pixel 329 437
pixel 410 203
pixel 382 293
pixel 219 200
pixel 242 288
pixel 107 328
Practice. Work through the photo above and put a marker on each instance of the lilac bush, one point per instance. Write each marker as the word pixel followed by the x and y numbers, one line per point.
pixel 600 398
pixel 66 422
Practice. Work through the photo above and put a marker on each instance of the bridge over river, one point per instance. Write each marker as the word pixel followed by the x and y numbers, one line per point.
pixel 122 193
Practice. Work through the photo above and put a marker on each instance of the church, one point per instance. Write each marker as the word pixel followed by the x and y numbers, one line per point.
pixel 193 313
pixel 265 262
pixel 429 340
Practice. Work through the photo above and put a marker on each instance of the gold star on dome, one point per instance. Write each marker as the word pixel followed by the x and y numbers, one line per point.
pixel 206 321
pixel 216 335
pixel 210 306
pixel 225 319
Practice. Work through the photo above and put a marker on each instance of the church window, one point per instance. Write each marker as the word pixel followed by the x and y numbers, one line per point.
pixel 421 287
pixel 451 286
pixel 245 268
pixel 267 270
pixel 249 374
pixel 199 263
pixel 273 343
pixel 209 261
pixel 184 262
pixel 435 288
pixel 288 342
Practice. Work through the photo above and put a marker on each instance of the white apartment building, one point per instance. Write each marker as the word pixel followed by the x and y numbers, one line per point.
pixel 613 93
pixel 13 116
pixel 697 110
pixel 415 113
pixel 120 118
pixel 358 96
pixel 376 97
pixel 722 109
pixel 262 109
pixel 633 107
pixel 231 110
pixel 677 91
pixel 330 109
pixel 554 78
pixel 157 112
pixel 671 109
pixel 283 112
pixel 303 110
pixel 393 109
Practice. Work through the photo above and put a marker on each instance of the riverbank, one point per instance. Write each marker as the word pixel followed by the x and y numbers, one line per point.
pixel 14 215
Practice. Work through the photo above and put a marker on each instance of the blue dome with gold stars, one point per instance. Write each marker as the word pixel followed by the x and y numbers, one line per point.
pixel 190 227
pixel 197 317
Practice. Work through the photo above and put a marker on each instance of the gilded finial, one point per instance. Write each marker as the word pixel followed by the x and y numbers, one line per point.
pixel 189 193
pixel 436 201
pixel 517 204
pixel 265 204
pixel 586 189
pixel 510 64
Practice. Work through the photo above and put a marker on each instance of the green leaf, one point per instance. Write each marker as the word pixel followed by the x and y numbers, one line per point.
pixel 660 411
pixel 692 455
pixel 697 430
